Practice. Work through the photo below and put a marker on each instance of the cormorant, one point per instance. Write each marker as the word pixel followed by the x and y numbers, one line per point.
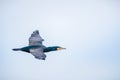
pixel 36 48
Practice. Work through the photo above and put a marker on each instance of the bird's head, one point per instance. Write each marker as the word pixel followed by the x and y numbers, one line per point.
pixel 53 48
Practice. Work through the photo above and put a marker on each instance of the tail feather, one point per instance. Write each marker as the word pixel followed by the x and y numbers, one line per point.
pixel 16 49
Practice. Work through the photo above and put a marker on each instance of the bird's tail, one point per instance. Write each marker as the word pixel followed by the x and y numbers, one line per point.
pixel 16 49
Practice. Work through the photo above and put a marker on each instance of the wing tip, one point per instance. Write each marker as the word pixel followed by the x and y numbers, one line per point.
pixel 36 31
pixel 40 58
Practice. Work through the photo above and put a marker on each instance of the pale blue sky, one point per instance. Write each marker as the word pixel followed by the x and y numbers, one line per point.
pixel 89 29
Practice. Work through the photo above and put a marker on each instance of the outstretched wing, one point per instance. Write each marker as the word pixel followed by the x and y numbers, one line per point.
pixel 35 39
pixel 38 53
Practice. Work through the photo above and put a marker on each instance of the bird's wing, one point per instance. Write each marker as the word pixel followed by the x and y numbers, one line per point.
pixel 35 39
pixel 38 53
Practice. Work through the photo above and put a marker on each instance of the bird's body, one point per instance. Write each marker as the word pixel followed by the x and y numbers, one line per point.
pixel 36 48
pixel 27 48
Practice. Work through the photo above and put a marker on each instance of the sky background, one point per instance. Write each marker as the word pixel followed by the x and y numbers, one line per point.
pixel 89 29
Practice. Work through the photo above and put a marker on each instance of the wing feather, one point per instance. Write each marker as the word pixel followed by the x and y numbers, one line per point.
pixel 35 39
pixel 38 53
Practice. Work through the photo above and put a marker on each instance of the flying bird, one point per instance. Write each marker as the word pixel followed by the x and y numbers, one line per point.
pixel 36 48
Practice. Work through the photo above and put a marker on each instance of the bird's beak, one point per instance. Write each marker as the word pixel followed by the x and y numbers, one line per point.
pixel 60 48
pixel 63 48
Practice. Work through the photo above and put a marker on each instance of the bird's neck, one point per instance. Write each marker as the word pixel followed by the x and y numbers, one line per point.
pixel 48 49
